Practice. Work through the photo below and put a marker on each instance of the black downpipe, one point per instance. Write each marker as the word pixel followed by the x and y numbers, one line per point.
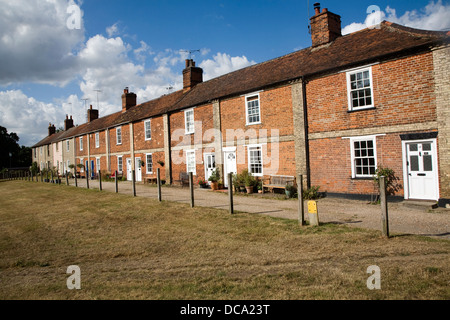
pixel 305 119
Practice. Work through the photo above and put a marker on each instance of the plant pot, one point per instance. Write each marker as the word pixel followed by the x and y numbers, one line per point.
pixel 203 186
pixel 214 185
pixel 249 189
pixel 242 189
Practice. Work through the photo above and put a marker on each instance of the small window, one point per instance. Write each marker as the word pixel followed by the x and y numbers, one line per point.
pixel 119 135
pixel 360 89
pixel 68 145
pixel 81 143
pixel 190 162
pixel 364 161
pixel 148 130
pixel 98 164
pixel 81 162
pixel 119 164
pixel 255 165
pixel 97 140
pixel 149 163
pixel 189 121
pixel 253 109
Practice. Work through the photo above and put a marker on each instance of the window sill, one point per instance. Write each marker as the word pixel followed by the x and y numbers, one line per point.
pixel 362 178
pixel 361 109
pixel 253 123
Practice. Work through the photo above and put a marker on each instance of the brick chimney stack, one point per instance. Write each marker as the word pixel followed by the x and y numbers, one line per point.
pixel 51 129
pixel 325 26
pixel 68 123
pixel 192 75
pixel 92 114
pixel 128 100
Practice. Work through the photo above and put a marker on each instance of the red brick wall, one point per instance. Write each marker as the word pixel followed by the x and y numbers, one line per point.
pixel 403 93
pixel 331 164
pixel 125 146
pixel 157 133
pixel 275 108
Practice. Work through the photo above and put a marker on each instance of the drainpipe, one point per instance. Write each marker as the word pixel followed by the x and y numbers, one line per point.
pixel 305 119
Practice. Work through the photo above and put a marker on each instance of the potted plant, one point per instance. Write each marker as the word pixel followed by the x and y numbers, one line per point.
pixel 202 183
pixel 290 190
pixel 81 166
pixel 214 178
pixel 250 182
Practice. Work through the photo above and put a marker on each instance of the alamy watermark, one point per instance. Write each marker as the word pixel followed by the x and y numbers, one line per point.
pixel 74 281
pixel 73 22
pixel 374 16
pixel 374 281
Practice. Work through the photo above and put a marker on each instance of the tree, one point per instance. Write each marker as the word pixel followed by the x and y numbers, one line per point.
pixel 11 154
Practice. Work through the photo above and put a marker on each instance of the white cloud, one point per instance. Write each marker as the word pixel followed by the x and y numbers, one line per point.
pixel 434 16
pixel 223 63
pixel 39 48
pixel 35 42
pixel 112 30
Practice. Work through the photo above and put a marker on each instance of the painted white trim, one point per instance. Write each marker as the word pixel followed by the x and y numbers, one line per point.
pixel 80 140
pixel 405 165
pixel 97 140
pixel 193 121
pixel 205 163
pixel 352 153
pixel 255 146
pixel 145 129
pixel 121 157
pixel 146 163
pixel 247 123
pixel 97 163
pixel 117 136
pixel 349 98
pixel 195 161
pixel 251 93
pixel 229 149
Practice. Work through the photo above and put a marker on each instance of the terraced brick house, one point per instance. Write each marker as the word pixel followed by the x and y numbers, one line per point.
pixel 333 112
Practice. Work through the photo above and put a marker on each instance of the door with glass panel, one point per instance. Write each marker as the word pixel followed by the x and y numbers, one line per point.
pixel 422 170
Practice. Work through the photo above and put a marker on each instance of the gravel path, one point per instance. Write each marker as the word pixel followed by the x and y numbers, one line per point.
pixel 404 217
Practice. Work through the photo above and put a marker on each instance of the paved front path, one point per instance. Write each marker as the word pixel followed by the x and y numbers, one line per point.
pixel 403 217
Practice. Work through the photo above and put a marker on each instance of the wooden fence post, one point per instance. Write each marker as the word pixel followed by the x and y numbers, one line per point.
pixel 76 181
pixel 158 181
pixel 116 181
pixel 87 178
pixel 100 179
pixel 191 188
pixel 67 178
pixel 384 207
pixel 301 203
pixel 133 178
pixel 230 191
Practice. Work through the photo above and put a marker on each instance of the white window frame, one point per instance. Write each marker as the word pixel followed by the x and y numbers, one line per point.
pixel 149 130
pixel 97 163
pixel 81 143
pixel 68 145
pixel 186 121
pixel 247 116
pixel 97 140
pixel 82 162
pixel 194 171
pixel 353 157
pixel 147 162
pixel 119 135
pixel 120 164
pixel 249 149
pixel 68 164
pixel 349 89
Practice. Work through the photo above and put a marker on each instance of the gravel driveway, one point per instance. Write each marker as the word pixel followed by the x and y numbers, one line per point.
pixel 404 217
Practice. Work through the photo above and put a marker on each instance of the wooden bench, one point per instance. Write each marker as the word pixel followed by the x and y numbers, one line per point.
pixel 184 179
pixel 277 182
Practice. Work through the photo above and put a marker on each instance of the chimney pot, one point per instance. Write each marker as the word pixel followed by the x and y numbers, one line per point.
pixel 317 8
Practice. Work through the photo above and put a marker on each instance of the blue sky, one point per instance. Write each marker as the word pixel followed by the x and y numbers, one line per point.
pixel 48 69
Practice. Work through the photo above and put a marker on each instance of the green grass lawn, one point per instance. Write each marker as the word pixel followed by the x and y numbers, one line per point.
pixel 137 248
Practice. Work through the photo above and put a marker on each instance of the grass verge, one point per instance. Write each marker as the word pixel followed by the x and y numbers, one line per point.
pixel 137 248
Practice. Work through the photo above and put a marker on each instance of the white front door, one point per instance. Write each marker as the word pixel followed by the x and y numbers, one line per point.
pixel 138 169
pixel 129 170
pixel 422 176
pixel 210 164
pixel 229 165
